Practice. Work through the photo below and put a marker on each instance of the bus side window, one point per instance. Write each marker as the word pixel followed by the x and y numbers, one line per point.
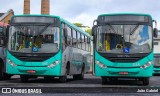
pixel 89 45
pixel 69 37
pixel 79 40
pixel 63 35
pixel 83 43
pixel 74 34
pixel 86 47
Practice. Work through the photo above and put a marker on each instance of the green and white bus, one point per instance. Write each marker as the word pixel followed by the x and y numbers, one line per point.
pixel 46 45
pixel 123 47
pixel 156 70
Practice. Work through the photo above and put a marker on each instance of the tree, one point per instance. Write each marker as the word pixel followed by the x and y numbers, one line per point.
pixel 78 24
pixel 85 28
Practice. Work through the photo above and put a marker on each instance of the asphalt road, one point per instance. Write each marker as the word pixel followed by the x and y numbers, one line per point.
pixel 91 85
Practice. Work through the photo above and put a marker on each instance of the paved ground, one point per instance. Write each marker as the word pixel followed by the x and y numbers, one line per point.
pixel 91 85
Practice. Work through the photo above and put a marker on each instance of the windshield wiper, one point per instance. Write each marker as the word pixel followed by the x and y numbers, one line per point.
pixel 111 27
pixel 134 29
pixel 44 29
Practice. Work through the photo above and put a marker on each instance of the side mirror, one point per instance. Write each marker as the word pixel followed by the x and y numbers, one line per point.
pixel 94 30
pixel 155 32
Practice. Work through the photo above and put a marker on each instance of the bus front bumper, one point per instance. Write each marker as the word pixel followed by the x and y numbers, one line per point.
pixel 24 70
pixel 124 72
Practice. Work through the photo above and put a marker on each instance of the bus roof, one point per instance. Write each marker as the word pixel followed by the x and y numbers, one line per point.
pixel 77 28
pixel 61 19
pixel 138 14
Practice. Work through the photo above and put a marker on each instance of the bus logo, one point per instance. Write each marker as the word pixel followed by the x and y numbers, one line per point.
pixel 126 50
pixel 6 90
pixel 35 49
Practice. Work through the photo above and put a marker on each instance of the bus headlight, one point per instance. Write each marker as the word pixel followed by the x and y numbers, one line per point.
pixel 146 65
pixel 100 64
pixel 53 64
pixel 11 63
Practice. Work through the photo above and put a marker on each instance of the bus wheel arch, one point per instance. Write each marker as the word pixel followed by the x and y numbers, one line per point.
pixel 63 78
pixel 1 68
pixel 81 75
pixel 68 68
pixel 3 75
pixel 83 67
pixel 145 81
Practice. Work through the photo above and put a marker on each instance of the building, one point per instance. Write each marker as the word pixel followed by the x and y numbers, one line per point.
pixel 5 17
pixel 45 7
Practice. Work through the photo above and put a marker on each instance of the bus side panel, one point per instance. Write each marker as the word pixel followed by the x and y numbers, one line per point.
pixel 73 57
pixel 76 58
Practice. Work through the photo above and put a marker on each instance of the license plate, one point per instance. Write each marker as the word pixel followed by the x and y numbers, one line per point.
pixel 31 71
pixel 123 73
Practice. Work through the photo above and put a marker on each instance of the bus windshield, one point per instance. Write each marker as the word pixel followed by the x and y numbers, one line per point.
pixel 33 38
pixel 124 38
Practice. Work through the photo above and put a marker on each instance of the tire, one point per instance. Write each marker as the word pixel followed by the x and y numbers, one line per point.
pixel 63 79
pixel 104 80
pixel 1 70
pixel 145 81
pixel 1 73
pixel 24 78
pixel 6 76
pixel 79 76
pixel 48 78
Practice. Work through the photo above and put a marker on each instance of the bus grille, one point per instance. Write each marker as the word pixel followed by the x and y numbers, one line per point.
pixel 121 59
pixel 113 59
pixel 33 58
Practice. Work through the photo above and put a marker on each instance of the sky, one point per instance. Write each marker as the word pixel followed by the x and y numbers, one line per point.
pixel 85 11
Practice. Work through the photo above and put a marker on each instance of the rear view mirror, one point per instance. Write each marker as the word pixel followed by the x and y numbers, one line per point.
pixel 94 30
pixel 155 32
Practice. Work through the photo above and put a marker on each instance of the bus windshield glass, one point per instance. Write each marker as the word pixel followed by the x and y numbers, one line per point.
pixel 124 38
pixel 33 38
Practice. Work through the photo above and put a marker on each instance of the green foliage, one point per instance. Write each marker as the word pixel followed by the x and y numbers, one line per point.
pixel 85 28
pixel 88 30
pixel 78 24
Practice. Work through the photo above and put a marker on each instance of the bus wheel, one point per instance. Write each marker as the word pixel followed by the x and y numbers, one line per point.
pixel 1 73
pixel 24 78
pixel 145 81
pixel 6 76
pixel 63 78
pixel 104 80
pixel 48 78
pixel 79 76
